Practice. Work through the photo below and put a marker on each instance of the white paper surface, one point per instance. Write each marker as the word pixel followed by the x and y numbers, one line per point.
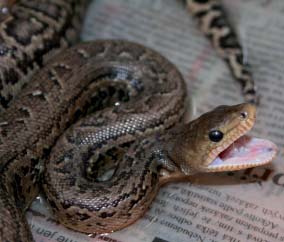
pixel 241 206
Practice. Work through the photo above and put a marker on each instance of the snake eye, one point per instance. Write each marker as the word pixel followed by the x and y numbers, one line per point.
pixel 244 115
pixel 216 135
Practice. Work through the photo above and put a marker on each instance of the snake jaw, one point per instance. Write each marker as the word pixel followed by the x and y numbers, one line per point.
pixel 241 151
pixel 244 153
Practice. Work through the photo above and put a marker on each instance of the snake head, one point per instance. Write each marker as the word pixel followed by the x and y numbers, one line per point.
pixel 217 141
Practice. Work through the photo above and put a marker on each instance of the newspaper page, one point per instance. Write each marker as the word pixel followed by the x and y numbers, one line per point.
pixel 233 206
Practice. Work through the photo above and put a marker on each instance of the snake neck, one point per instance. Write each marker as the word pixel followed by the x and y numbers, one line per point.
pixel 169 151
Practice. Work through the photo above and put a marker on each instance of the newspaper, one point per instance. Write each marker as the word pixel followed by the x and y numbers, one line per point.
pixel 233 206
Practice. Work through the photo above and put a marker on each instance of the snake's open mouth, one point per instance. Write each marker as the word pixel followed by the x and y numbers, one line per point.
pixel 243 153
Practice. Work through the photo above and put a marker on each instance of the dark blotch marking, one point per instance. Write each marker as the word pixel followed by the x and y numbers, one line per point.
pixel 10 76
pixel 3 132
pixel 96 104
pixel 27 31
pixel 24 112
pixel 54 42
pixel 25 63
pixel 102 94
pixel 242 82
pixel 46 152
pixel 28 190
pixel 20 121
pixel 106 215
pixel 123 95
pixel 66 204
pixel 53 205
pixel 82 216
pixel 240 58
pixel 200 14
pixel 53 78
pixel 78 113
pixel 120 198
pixel 251 91
pixel 218 7
pixel 218 22
pixel 34 162
pixel 51 10
pixel 18 191
pixel 229 41
pixel 25 170
pixel 111 91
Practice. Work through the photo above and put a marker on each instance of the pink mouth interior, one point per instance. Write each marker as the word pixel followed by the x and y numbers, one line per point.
pixel 246 152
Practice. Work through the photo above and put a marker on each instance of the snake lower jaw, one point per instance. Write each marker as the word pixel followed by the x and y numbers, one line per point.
pixel 244 153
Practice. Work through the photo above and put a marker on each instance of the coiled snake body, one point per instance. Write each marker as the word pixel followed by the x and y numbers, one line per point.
pixel 145 94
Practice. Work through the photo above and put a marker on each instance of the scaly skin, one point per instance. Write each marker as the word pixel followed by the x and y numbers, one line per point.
pixel 31 32
pixel 145 165
pixel 214 24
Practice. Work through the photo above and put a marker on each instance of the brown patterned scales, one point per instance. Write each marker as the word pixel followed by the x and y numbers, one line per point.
pixel 101 73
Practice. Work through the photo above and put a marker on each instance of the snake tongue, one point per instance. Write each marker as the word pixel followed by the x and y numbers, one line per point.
pixel 245 152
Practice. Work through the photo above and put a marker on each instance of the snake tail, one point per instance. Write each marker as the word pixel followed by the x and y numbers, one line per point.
pixel 215 25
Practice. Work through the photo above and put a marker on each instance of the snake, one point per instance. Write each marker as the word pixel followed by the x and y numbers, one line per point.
pixel 100 124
